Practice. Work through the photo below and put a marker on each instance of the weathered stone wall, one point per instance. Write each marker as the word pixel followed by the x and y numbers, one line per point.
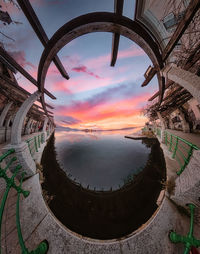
pixel 188 183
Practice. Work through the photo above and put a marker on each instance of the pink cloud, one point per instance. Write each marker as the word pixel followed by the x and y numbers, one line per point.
pixel 60 86
pixel 84 69
pixel 20 58
pixel 105 60
pixel 11 8
pixel 81 84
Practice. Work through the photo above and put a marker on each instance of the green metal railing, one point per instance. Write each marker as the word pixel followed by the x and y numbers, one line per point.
pixel 189 240
pixel 10 183
pixel 34 143
pixel 181 149
pixel 158 132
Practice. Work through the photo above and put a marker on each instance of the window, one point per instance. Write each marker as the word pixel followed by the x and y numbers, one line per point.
pixel 169 21
pixel 172 20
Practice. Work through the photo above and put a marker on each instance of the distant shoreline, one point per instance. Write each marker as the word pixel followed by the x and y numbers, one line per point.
pixel 60 128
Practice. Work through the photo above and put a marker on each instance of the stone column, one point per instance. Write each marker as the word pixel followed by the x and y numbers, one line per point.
pixel 163 127
pixel 27 130
pixel 44 128
pixel 31 126
pixel 24 126
pixel 2 118
pixel 185 124
pixel 21 148
pixel 8 120
pixel 171 124
pixel 186 79
pixel 36 126
pixel 8 128
pixel 20 116
pixel 4 113
pixel 51 127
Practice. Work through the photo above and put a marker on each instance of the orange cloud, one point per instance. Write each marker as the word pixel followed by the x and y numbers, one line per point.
pixel 122 113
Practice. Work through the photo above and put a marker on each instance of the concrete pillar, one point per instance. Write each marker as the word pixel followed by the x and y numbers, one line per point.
pixel 8 128
pixel 186 79
pixel 49 127
pixel 24 126
pixel 4 113
pixel 8 121
pixel 20 116
pixel 37 126
pixel 31 126
pixel 2 119
pixel 163 127
pixel 27 130
pixel 45 123
pixel 171 124
pixel 185 124
pixel 21 148
pixel 44 127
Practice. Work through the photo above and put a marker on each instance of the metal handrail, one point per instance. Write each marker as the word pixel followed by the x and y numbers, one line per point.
pixel 10 183
pixel 189 240
pixel 183 157
pixel 34 143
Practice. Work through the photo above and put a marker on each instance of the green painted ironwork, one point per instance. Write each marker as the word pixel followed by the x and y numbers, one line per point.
pixel 34 143
pixel 175 149
pixel 189 240
pixel 39 141
pixel 166 139
pixel 170 146
pixel 10 183
pixel 158 132
pixel 31 146
pixel 181 149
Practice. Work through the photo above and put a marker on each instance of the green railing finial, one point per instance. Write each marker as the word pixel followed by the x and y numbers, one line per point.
pixel 189 240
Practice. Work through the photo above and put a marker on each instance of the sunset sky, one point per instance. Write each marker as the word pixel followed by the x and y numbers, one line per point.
pixel 96 96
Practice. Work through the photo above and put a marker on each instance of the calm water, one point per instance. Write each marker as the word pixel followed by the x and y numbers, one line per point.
pixel 100 160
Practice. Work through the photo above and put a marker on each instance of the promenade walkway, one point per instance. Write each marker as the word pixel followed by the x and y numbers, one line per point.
pixel 9 238
pixel 194 138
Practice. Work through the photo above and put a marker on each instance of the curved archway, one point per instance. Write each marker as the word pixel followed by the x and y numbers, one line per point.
pixel 99 22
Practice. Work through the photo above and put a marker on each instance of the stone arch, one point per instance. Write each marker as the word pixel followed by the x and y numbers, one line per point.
pixel 20 116
pixel 100 22
pixel 185 124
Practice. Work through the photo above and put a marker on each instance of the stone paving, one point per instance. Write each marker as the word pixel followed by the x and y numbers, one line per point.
pixel 9 237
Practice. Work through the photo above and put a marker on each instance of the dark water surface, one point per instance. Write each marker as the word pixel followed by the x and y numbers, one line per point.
pixel 79 170
pixel 100 160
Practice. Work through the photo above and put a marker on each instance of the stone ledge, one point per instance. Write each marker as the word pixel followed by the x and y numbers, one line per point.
pixel 151 238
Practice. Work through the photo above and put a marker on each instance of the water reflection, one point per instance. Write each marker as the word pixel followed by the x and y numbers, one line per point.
pixel 103 214
pixel 100 160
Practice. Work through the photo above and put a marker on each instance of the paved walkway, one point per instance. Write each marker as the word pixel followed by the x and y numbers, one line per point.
pixel 194 138
pixel 9 239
